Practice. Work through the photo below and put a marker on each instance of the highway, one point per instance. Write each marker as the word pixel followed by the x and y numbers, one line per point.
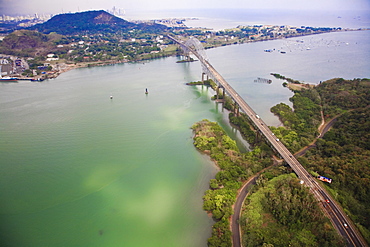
pixel 337 216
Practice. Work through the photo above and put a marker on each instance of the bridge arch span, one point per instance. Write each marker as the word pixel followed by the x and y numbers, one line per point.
pixel 193 44
pixel 197 46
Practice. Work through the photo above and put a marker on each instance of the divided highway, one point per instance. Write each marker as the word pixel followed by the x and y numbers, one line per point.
pixel 339 219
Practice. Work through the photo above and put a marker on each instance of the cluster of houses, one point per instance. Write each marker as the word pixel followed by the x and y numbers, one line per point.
pixel 10 65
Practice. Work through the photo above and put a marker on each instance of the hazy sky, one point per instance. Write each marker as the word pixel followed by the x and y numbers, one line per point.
pixel 12 7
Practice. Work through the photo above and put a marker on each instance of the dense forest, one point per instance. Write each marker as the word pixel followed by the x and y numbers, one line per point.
pixel 328 99
pixel 235 167
pixel 282 212
pixel 279 203
pixel 343 153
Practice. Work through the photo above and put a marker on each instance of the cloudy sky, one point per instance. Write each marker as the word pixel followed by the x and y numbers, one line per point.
pixel 12 7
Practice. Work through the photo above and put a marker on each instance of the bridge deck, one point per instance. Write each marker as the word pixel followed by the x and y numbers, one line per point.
pixel 336 214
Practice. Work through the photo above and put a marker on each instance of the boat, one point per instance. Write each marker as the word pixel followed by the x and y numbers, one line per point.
pixel 146 91
pixel 8 79
pixel 37 79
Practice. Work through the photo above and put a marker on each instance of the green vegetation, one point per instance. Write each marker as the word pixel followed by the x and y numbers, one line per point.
pixel 332 97
pixel 278 76
pixel 245 127
pixel 235 168
pixel 92 22
pixel 343 155
pixel 301 124
pixel 282 205
pixel 97 37
pixel 244 34
pixel 339 95
pixel 282 212
pixel 25 43
pixel 92 37
pixel 208 82
pixel 344 151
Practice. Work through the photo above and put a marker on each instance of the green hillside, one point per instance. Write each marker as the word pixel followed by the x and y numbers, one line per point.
pixel 91 22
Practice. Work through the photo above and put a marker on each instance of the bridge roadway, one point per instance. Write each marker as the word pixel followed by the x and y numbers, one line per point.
pixel 339 219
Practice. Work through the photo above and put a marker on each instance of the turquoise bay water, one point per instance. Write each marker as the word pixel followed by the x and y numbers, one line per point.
pixel 80 169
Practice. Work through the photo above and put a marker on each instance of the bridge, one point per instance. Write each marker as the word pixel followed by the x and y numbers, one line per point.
pixel 339 219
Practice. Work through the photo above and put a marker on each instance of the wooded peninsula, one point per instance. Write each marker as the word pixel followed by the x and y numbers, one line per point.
pixel 278 202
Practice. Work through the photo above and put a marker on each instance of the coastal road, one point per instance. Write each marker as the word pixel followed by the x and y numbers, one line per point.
pixel 339 219
pixel 337 216
pixel 237 210
pixel 240 198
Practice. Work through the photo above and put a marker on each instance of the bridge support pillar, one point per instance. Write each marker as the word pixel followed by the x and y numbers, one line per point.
pixel 236 109
pixel 204 74
pixel 258 136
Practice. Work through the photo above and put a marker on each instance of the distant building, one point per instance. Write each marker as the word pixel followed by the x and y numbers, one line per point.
pixel 52 59
pixel 6 69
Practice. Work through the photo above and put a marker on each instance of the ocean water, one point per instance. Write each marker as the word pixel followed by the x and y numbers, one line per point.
pixel 218 19
pixel 80 169
pixel 331 55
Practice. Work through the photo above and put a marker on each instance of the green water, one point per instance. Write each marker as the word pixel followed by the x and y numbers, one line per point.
pixel 80 169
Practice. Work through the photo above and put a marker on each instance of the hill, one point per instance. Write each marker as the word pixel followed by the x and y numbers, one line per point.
pixel 91 22
pixel 24 43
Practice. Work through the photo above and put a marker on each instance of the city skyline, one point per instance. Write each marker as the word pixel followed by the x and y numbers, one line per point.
pixel 24 7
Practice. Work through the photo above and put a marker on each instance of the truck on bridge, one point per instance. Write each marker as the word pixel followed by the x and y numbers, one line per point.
pixel 328 180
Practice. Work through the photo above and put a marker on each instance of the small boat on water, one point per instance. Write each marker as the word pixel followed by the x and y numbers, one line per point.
pixel 37 79
pixel 146 91
pixel 8 78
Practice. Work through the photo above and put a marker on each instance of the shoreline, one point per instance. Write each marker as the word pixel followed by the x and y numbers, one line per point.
pixel 70 66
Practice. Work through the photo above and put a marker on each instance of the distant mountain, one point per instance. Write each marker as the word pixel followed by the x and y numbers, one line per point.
pixel 92 22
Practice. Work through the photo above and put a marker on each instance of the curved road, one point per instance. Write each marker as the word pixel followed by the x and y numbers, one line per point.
pixel 337 216
pixel 240 198
pixel 244 191
pixel 237 210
